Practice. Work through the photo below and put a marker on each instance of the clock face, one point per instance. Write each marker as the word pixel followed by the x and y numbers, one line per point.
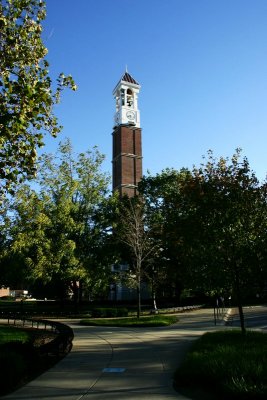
pixel 130 115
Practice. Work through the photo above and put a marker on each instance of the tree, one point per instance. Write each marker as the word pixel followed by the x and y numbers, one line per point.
pixel 214 221
pixel 57 229
pixel 31 242
pixel 165 207
pixel 230 216
pixel 133 231
pixel 79 183
pixel 26 95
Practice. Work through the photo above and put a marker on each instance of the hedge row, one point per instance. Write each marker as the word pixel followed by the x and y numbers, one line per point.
pixel 104 312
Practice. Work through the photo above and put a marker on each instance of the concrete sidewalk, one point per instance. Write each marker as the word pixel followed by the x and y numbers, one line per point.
pixel 120 363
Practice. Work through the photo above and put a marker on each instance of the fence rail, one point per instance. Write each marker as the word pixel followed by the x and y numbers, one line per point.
pixel 62 342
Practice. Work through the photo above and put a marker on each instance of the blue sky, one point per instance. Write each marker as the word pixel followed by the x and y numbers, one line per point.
pixel 201 64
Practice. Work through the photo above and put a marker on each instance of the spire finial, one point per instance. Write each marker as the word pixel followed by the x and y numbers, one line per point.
pixel 126 69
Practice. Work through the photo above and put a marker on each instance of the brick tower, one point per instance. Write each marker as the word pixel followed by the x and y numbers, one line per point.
pixel 127 138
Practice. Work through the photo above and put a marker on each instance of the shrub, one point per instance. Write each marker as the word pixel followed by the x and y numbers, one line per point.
pixel 109 312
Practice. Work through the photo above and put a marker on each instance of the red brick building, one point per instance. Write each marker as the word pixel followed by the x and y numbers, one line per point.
pixel 127 137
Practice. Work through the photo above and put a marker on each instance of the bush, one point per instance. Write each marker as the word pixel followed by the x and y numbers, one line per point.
pixel 122 312
pixel 109 312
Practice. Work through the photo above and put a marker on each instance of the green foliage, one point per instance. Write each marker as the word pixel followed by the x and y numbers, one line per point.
pixel 57 232
pixel 229 216
pixel 228 364
pixel 26 95
pixel 213 224
pixel 109 312
pixel 168 210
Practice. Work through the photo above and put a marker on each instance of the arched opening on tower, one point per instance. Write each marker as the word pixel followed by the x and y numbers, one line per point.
pixel 122 97
pixel 130 98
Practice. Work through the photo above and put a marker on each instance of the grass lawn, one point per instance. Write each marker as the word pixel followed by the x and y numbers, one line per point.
pixel 16 354
pixel 226 364
pixel 19 356
pixel 12 334
pixel 150 321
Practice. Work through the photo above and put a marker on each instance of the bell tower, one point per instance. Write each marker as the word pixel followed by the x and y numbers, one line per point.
pixel 127 138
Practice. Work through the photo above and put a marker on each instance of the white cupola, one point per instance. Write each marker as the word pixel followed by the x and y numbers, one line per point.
pixel 126 97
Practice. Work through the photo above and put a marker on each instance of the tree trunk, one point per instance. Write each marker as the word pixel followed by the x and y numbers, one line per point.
pixel 139 295
pixel 242 319
pixel 178 291
pixel 75 290
pixel 154 300
pixel 80 294
pixel 239 301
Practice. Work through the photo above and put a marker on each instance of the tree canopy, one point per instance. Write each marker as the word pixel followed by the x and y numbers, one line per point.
pixel 27 97
pixel 56 228
pixel 214 224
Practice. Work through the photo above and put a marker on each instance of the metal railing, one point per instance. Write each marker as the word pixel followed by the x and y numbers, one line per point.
pixel 62 342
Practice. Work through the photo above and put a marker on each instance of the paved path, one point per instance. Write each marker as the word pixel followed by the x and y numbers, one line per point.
pixel 255 317
pixel 120 363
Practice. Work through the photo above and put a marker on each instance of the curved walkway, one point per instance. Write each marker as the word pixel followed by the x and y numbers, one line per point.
pixel 120 363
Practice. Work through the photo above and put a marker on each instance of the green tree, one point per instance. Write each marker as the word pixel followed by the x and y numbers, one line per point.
pixel 165 207
pixel 214 219
pixel 230 217
pixel 30 240
pixel 26 95
pixel 7 275
pixel 57 228
pixel 78 184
